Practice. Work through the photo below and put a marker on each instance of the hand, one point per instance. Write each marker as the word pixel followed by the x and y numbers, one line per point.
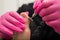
pixel 25 35
pixel 37 5
pixel 49 10
pixel 11 22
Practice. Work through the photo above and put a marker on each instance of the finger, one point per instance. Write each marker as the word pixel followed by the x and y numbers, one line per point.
pixel 54 24
pixel 48 11
pixel 5 30
pixel 10 26
pixel 17 16
pixel 14 22
pixel 53 16
pixel 38 9
pixel 47 3
pixel 37 2
pixel 1 35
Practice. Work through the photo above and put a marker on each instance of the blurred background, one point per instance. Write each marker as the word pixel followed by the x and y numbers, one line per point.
pixel 7 5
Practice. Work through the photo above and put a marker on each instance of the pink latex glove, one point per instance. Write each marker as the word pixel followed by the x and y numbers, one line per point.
pixel 11 22
pixel 49 10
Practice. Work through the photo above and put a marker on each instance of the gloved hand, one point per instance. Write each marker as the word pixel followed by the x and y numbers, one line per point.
pixel 25 35
pixel 11 22
pixel 49 10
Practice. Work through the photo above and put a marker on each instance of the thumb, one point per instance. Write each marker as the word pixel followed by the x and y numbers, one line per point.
pixel 37 2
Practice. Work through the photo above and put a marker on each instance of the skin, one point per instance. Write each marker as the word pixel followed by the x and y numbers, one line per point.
pixel 25 35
